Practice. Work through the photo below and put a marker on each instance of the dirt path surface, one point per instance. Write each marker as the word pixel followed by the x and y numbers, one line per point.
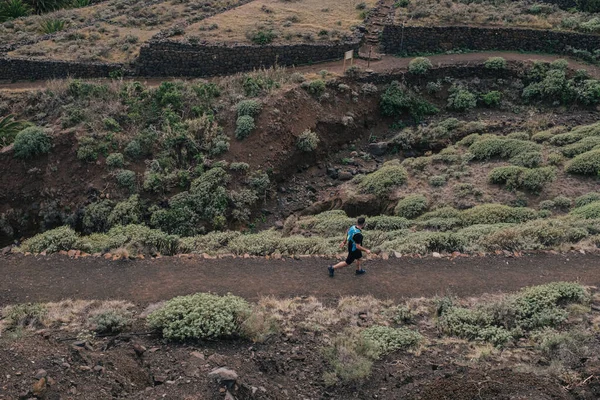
pixel 386 64
pixel 31 279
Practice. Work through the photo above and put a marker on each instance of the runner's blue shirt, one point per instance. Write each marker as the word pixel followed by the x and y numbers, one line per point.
pixel 351 232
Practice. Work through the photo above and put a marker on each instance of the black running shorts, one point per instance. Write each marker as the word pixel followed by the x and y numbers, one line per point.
pixel 353 255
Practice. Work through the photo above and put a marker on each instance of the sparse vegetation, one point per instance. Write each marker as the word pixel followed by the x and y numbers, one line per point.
pixel 419 66
pixel 31 142
pixel 307 141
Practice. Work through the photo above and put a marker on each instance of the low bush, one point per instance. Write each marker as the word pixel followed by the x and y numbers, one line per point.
pixel 95 216
pixel 397 100
pixel 110 321
pixel 419 66
pixel 126 212
pixel 587 199
pixel 462 100
pixel 495 214
pixel 587 163
pixel 588 211
pixel 29 315
pixel 31 142
pixel 495 63
pixel 351 357
pixel 382 181
pixel 411 206
pixel 244 126
pixel 248 107
pixel 388 340
pixel 515 316
pixel 200 316
pixel 487 148
pixel 437 180
pixel 316 87
pixel 548 134
pixel 127 179
pixel 532 179
pixel 52 241
pixel 492 98
pixel 528 159
pixel 115 160
pixel 575 135
pixel 584 145
pixel 555 159
pixel 307 141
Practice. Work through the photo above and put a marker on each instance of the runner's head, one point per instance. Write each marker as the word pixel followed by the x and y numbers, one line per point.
pixel 360 222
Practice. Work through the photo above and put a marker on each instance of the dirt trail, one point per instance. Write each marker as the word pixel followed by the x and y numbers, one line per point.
pixel 386 64
pixel 52 278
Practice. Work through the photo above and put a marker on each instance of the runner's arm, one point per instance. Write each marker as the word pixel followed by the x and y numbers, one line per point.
pixel 359 247
pixel 345 238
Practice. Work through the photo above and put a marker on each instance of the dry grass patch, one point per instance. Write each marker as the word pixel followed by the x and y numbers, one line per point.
pixel 287 21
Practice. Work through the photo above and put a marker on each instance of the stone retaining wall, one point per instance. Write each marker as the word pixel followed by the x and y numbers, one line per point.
pixel 397 40
pixel 165 58
pixel 32 69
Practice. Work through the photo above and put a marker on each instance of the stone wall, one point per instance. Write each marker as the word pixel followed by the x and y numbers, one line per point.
pixel 166 58
pixel 397 40
pixel 32 69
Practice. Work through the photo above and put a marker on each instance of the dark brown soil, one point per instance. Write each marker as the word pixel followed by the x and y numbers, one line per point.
pixel 52 278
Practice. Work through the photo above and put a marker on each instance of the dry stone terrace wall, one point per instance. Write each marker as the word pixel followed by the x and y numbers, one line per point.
pixel 180 59
pixel 397 40
pixel 29 69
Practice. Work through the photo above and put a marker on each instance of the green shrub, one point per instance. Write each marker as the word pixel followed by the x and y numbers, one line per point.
pixel 555 159
pixel 492 98
pixel 587 199
pixel 248 107
pixel 239 166
pixel 419 66
pixel 126 212
pixel 584 145
pixel 529 159
pixel 562 202
pixel 495 214
pixel 411 206
pixel 244 126
pixel 516 316
pixel 316 87
pixel 111 124
pixel 548 134
pixel 588 211
pixel 437 180
pixel 95 216
pixel 388 339
pixel 52 25
pixel 575 134
pixel 12 9
pixel 134 150
pixel 397 100
pixel 382 181
pixel 30 142
pixel 9 127
pixel 200 316
pixel 263 37
pixel 110 321
pixel 495 63
pixel 52 241
pixel 29 315
pixel 307 141
pixel 351 358
pixel 115 160
pixel 127 179
pixel 462 100
pixel 587 163
pixel 532 179
pixel 488 148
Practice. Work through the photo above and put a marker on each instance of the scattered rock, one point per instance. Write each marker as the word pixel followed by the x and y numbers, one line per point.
pixel 139 349
pixel 345 175
pixel 159 379
pixel 332 173
pixel 217 359
pixel 378 149
pixel 397 254
pixel 71 253
pixel 278 225
pixel 436 255
pixel 99 369
pixel 84 368
pixel 229 396
pixel 197 355
pixel 41 374
pixel 108 256
pixel 224 376
pixel 5 250
pixel 39 388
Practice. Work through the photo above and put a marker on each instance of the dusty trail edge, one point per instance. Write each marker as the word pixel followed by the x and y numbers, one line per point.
pixel 53 278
